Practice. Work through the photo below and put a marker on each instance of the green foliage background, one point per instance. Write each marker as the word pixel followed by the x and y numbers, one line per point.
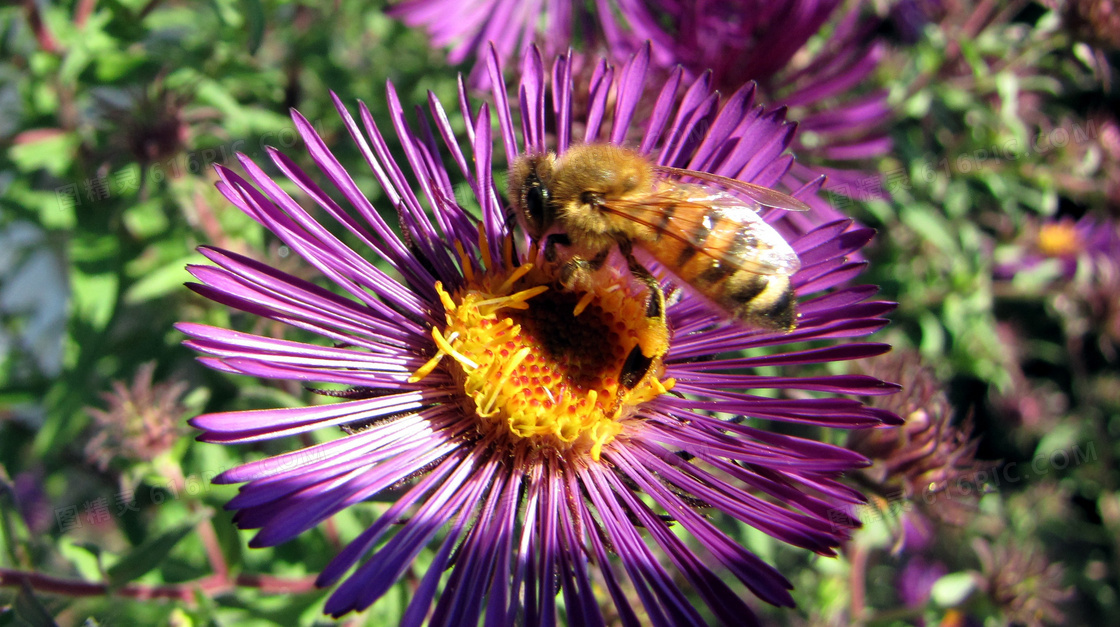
pixel 112 115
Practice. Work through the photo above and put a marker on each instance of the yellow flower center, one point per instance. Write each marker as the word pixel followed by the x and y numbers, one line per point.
pixel 540 363
pixel 1059 239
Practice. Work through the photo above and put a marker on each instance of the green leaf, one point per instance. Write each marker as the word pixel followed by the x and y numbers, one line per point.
pixel 145 219
pixel 54 209
pixel 87 563
pixel 953 589
pixel 114 65
pixel 29 611
pixel 90 548
pixel 94 297
pixel 933 335
pixel 254 16
pixel 930 226
pixel 87 44
pixel 1059 439
pixel 918 105
pixel 147 556
pixel 162 281
pixel 229 539
pixel 50 151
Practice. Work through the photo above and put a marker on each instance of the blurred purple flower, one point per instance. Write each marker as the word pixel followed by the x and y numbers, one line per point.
pixel 141 421
pixel 910 17
pixel 471 382
pixel 737 42
pixel 1071 243
pixel 1096 22
pixel 616 28
pixel 1023 583
pixel 917 533
pixel 917 579
pixel 929 461
pixel 32 501
pixel 766 42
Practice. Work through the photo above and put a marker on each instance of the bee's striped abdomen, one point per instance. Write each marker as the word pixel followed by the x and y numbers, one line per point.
pixel 700 260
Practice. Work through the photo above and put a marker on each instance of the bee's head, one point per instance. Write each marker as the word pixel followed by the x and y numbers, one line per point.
pixel 529 193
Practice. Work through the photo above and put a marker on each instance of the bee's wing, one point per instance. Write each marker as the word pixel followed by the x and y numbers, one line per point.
pixel 693 213
pixel 762 195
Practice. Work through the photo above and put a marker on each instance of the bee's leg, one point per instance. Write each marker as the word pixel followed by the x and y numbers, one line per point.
pixel 550 244
pixel 575 267
pixel 655 308
pixel 571 267
pixel 654 341
pixel 634 369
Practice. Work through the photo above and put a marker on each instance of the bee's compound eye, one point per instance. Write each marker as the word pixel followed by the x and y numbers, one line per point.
pixel 536 201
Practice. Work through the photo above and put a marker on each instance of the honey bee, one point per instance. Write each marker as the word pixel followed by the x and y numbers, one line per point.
pixel 595 197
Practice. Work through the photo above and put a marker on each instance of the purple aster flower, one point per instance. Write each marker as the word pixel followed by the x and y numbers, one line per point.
pixel 491 395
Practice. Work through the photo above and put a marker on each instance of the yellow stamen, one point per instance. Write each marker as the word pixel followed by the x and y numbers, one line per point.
pixel 507 252
pixel 496 386
pixel 515 277
pixel 464 262
pixel 445 347
pixel 514 301
pixel 484 248
pixel 427 368
pixel 583 303
pixel 445 299
pixel 539 365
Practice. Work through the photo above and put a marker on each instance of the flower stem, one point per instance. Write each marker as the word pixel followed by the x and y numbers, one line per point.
pixel 212 585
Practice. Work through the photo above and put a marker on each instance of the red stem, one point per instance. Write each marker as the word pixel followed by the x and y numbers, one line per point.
pixel 857 579
pixel 212 585
pixel 39 27
pixel 83 11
